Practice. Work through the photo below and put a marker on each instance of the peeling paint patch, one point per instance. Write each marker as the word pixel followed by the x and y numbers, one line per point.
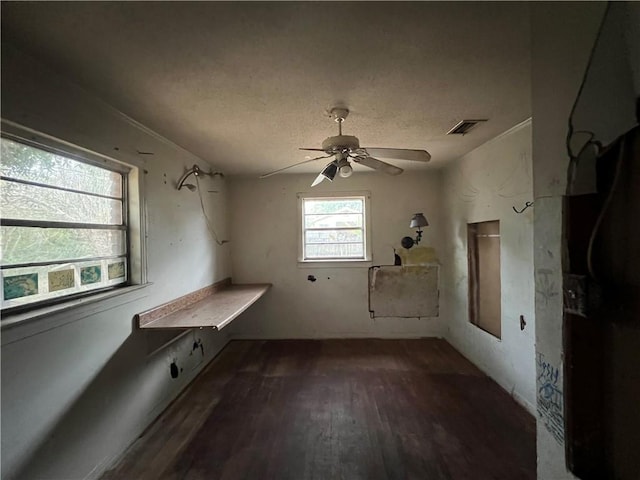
pixel 550 397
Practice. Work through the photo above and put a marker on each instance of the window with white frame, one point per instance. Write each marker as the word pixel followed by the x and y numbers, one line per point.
pixel 334 228
pixel 64 224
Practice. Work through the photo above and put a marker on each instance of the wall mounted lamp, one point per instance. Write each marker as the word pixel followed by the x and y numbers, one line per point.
pixel 418 221
pixel 197 172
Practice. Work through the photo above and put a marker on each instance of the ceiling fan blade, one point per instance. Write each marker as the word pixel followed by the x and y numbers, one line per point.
pixel 378 165
pixel 265 175
pixel 312 149
pixel 399 153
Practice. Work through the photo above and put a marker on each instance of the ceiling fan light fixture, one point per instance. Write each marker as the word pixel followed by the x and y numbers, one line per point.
pixel 318 180
pixel 344 167
pixel 345 171
pixel 329 172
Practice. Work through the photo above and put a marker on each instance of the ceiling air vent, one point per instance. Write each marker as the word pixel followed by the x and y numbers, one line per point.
pixel 464 126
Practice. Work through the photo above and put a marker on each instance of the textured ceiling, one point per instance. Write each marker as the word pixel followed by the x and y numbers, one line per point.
pixel 242 85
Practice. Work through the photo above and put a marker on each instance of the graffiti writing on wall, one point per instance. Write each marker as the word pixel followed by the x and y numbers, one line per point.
pixel 545 286
pixel 550 397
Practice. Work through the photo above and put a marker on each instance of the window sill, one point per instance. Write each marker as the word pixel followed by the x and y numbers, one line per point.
pixel 335 263
pixel 17 326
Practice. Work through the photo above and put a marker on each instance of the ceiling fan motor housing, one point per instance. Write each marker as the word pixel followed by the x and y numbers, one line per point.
pixel 340 143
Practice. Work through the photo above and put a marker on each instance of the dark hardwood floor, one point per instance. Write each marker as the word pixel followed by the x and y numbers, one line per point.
pixel 337 409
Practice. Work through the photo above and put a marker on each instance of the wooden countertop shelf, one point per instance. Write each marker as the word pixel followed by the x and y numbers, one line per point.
pixel 211 307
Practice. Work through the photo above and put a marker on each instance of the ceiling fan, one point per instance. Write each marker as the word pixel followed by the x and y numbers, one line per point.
pixel 345 147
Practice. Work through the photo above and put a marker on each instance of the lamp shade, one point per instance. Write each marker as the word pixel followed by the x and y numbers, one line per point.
pixel 418 221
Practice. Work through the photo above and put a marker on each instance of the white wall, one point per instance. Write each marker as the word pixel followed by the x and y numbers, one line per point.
pixel 484 185
pixel 78 387
pixel 264 229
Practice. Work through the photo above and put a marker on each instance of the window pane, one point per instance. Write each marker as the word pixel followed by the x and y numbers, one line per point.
pixel 337 205
pixel 333 236
pixel 28 163
pixel 333 221
pixel 340 250
pixel 30 244
pixel 30 202
pixel 33 284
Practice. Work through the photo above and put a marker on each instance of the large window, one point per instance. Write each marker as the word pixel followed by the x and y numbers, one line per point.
pixel 334 228
pixel 63 226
